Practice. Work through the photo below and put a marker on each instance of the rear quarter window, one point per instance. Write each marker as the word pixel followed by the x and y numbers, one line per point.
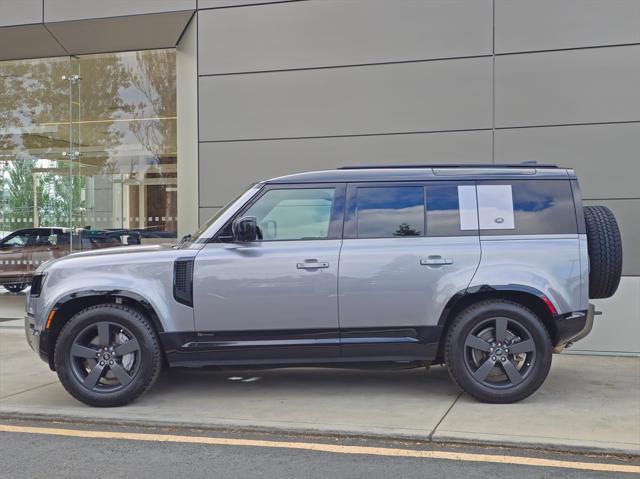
pixel 526 207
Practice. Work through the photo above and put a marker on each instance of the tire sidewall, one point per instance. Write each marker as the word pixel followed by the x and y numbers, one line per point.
pixel 149 354
pixel 455 351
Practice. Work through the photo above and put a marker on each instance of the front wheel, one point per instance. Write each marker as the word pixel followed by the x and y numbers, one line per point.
pixel 498 351
pixel 107 355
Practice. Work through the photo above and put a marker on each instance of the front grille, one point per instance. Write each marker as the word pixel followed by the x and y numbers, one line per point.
pixel 36 285
pixel 183 281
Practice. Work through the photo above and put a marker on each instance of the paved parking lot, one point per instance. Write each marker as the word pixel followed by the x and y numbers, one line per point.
pixel 587 403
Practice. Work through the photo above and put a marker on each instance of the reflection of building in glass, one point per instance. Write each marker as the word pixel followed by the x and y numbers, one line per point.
pixel 89 142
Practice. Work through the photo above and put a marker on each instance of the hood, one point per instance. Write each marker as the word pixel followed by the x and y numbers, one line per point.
pixel 111 255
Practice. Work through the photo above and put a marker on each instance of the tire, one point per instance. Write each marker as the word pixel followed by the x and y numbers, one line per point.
pixel 15 287
pixel 605 251
pixel 107 355
pixel 477 365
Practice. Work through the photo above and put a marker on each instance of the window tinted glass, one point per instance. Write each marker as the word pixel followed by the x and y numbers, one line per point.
pixel 388 212
pixel 294 214
pixel 451 210
pixel 18 240
pixel 539 207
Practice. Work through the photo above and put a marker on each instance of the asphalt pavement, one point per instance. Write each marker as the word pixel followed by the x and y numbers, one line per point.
pixel 43 450
pixel 587 404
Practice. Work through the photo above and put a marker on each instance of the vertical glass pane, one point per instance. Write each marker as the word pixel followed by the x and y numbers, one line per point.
pixel 87 156
pixel 127 145
pixel 35 122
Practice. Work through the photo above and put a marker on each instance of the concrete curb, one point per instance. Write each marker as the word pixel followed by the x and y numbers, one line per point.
pixel 298 430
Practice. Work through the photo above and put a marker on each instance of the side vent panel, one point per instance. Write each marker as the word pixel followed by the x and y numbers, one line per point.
pixel 183 281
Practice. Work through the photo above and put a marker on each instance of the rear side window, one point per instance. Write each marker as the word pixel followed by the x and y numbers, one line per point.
pixel 451 209
pixel 390 211
pixel 526 207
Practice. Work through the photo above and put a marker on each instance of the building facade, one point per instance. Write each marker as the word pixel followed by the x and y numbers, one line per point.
pixel 168 108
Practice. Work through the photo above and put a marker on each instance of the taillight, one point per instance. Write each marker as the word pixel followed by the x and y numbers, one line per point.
pixel 550 305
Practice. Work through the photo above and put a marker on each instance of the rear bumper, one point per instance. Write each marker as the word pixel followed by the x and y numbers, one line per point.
pixel 574 326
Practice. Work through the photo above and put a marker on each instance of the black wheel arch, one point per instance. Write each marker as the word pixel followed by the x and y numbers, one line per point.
pixel 69 305
pixel 528 296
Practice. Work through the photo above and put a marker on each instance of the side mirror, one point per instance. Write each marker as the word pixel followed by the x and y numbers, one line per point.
pixel 245 229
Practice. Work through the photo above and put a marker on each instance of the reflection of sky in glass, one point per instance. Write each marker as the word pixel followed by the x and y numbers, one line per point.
pixel 442 197
pixel 390 211
pixel 34 106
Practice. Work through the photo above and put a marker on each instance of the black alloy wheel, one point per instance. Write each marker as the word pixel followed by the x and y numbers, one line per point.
pixel 498 351
pixel 108 355
pixel 105 357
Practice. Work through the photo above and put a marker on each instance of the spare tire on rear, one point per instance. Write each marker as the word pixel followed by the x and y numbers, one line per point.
pixel 605 251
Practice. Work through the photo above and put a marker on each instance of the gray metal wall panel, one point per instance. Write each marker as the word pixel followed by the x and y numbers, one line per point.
pixel 64 10
pixel 228 167
pixel 606 157
pixel 234 3
pixel 138 32
pixel 575 86
pixel 628 215
pixel 553 24
pixel 205 213
pixel 21 12
pixel 335 32
pixel 28 41
pixel 423 96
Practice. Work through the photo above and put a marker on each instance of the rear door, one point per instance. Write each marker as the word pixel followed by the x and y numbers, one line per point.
pixel 407 249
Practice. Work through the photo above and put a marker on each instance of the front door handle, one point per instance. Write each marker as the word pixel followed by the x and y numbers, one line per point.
pixel 436 261
pixel 312 264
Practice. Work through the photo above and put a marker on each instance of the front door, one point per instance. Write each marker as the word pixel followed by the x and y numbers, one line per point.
pixel 275 298
pixel 408 248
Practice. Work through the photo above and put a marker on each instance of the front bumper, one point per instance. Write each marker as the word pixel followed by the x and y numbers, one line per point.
pixel 573 327
pixel 36 338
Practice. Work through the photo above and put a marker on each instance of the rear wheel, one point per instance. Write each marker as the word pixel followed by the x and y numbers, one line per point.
pixel 107 355
pixel 498 351
pixel 15 287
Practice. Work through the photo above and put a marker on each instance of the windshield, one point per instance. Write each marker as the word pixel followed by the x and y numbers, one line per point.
pixel 196 236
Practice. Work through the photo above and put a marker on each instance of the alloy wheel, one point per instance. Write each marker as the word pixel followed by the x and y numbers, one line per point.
pixel 500 352
pixel 105 357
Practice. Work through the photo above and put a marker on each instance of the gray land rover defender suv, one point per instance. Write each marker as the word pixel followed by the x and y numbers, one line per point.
pixel 487 269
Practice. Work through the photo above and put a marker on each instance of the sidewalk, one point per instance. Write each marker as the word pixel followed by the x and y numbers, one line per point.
pixel 588 403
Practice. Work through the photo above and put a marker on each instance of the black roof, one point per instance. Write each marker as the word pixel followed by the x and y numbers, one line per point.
pixel 450 165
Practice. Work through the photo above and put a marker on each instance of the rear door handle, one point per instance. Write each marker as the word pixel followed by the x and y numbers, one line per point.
pixel 312 264
pixel 436 261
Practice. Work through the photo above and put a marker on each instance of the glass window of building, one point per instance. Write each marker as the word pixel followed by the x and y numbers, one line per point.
pixel 88 146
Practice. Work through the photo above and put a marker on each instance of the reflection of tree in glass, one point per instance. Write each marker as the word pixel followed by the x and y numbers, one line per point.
pixel 35 130
pixel 154 76
pixel 404 229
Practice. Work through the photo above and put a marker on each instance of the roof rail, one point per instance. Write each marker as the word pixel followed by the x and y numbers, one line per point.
pixel 452 165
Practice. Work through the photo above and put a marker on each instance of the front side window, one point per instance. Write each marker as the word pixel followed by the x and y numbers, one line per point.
pixel 16 241
pixel 389 211
pixel 294 214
